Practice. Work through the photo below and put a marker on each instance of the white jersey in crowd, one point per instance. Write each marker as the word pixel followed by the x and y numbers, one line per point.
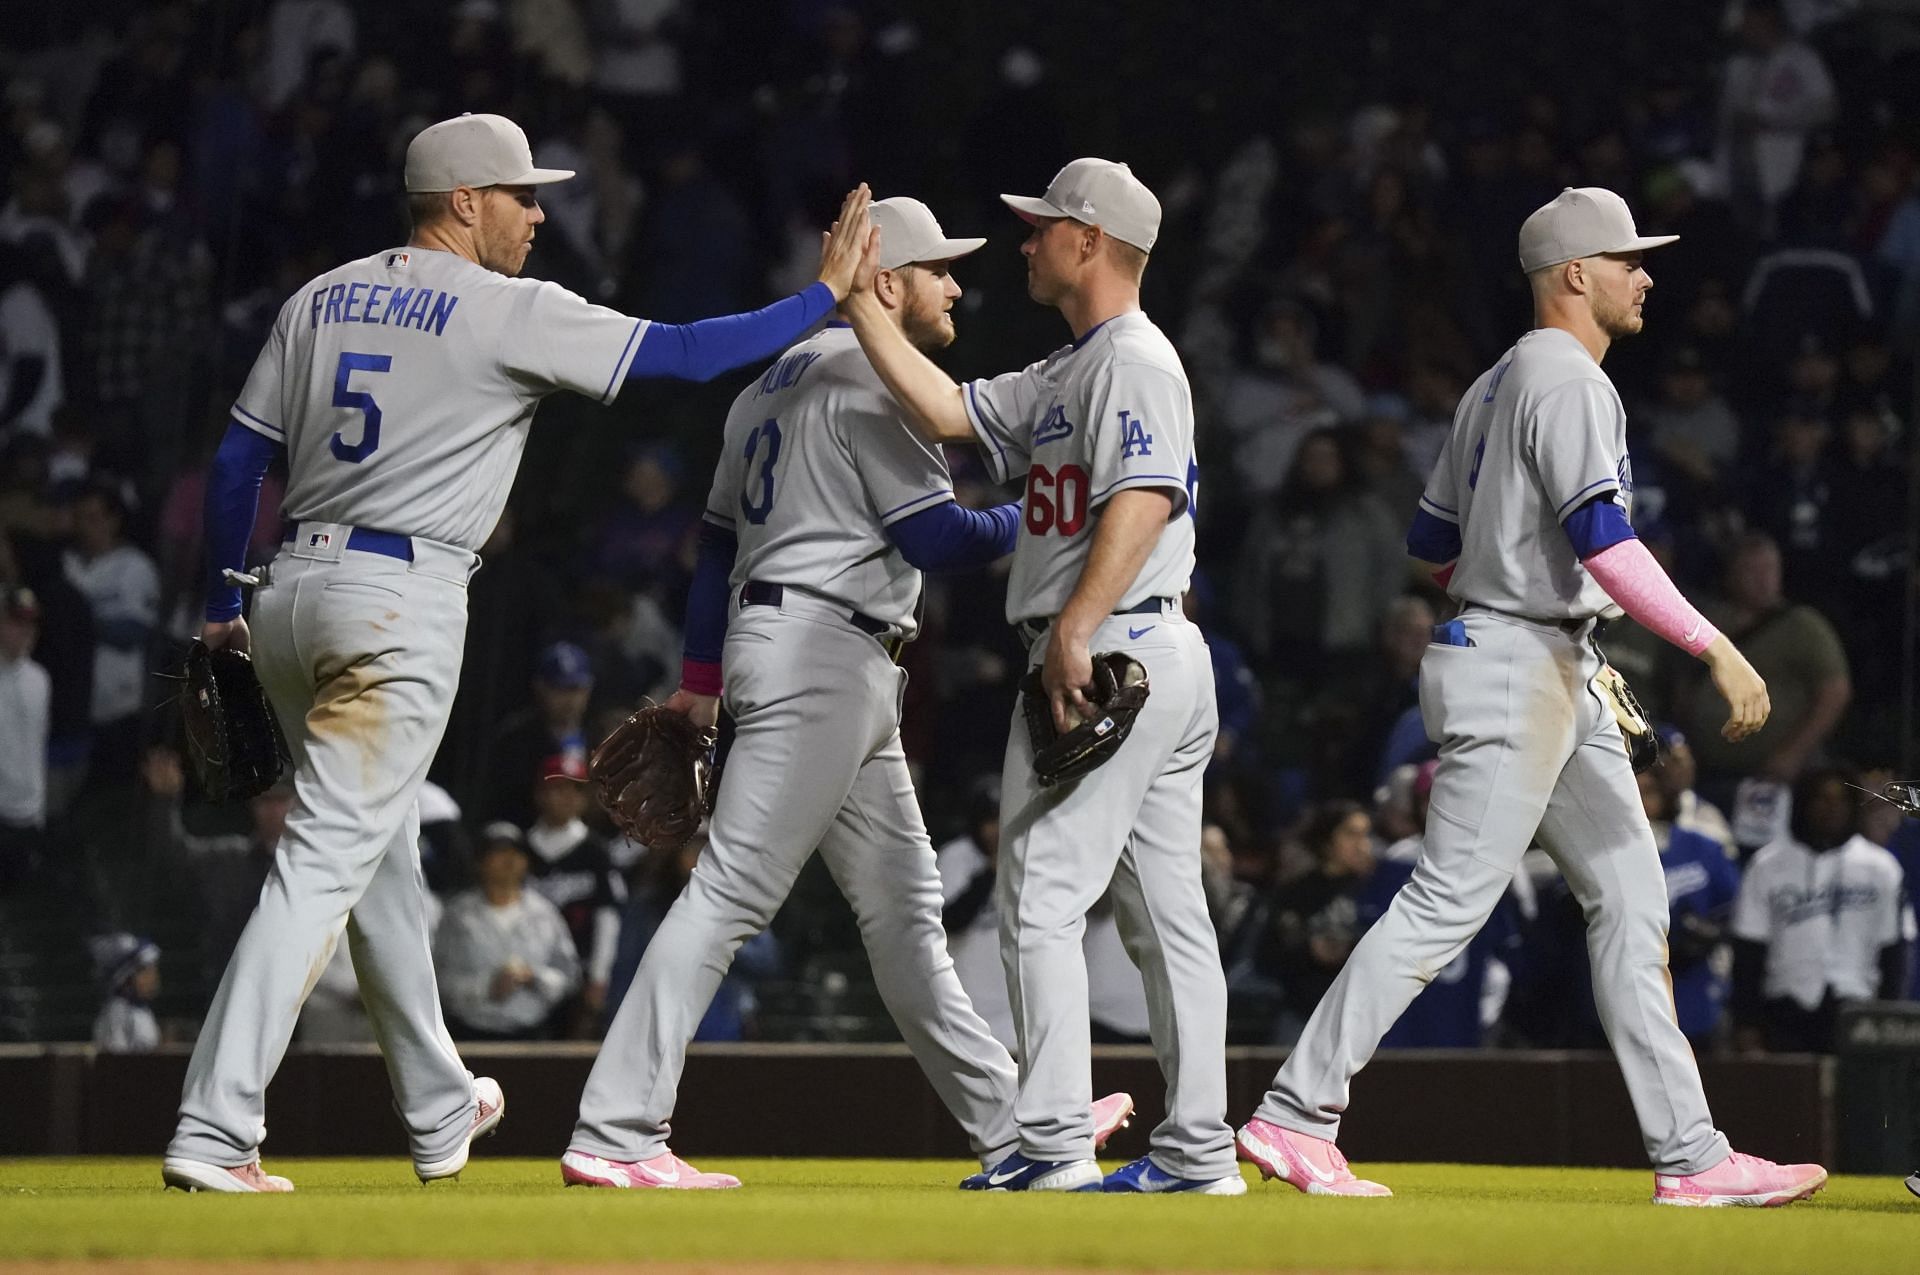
pixel 1111 411
pixel 816 465
pixel 476 940
pixel 26 702
pixel 122 586
pixel 1824 917
pixel 403 385
pixel 1540 433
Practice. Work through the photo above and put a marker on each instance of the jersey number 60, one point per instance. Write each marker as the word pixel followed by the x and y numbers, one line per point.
pixel 1056 498
pixel 359 401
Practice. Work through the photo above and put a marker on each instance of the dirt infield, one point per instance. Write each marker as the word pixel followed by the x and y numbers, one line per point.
pixel 147 1267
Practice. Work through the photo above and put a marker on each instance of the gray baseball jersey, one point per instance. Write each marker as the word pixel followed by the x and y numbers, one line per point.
pixel 816 465
pixel 1111 411
pixel 403 385
pixel 1539 434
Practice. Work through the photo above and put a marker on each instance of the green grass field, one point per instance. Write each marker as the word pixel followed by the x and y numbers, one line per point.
pixel 907 1215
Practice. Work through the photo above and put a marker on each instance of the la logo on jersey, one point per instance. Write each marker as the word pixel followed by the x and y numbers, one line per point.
pixel 1056 426
pixel 398 260
pixel 1134 439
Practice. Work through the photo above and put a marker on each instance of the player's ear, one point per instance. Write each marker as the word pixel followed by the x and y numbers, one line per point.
pixel 465 204
pixel 886 286
pixel 1575 273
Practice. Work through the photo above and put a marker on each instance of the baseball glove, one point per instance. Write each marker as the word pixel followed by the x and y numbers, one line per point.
pixel 651 775
pixel 1118 693
pixel 1643 746
pixel 234 743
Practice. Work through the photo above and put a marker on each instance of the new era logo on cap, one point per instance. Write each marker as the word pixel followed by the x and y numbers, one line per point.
pixel 1100 193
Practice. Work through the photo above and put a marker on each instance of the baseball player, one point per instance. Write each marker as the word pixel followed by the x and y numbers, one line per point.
pixel 1528 510
pixel 400 388
pixel 824 511
pixel 1103 431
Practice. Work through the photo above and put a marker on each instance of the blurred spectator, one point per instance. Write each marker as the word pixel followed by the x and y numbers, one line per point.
pixel 297 32
pixel 128 968
pixel 1368 722
pixel 642 542
pixel 1775 90
pixel 971 919
pixel 1315 917
pixel 122 586
pixel 1320 562
pixel 1820 921
pixel 1701 884
pixel 1688 810
pixel 228 868
pixel 32 385
pixel 1799 655
pixel 1236 746
pixel 1287 393
pixel 1466 996
pixel 570 866
pixel 658 881
pixel 1691 425
pixel 554 723
pixel 505 961
pixel 1791 499
pixel 25 697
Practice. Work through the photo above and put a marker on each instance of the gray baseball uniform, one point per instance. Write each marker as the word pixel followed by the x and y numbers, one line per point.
pixel 816 465
pixel 1112 411
pixel 402 385
pixel 1526 748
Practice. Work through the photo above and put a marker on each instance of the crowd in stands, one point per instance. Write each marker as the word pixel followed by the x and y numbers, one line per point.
pixel 1336 266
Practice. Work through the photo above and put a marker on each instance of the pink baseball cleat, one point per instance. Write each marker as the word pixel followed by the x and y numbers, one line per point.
pixel 1741 1179
pixel 1111 1114
pixel 197 1175
pixel 489 1106
pixel 1309 1164
pixel 666 1171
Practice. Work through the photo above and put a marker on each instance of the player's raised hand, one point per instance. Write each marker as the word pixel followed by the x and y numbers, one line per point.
pixel 1742 688
pixel 847 243
pixel 1066 674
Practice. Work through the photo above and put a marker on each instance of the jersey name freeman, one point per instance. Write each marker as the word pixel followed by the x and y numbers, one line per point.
pixel 422 309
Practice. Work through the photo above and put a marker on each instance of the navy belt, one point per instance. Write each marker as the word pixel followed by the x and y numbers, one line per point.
pixel 1030 630
pixel 762 593
pixel 367 540
pixel 1567 626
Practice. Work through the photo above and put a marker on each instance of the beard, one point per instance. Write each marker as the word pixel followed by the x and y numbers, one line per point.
pixel 1616 320
pixel 927 327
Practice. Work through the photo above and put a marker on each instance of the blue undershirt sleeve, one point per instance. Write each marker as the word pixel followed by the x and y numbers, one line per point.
pixel 1433 539
pixel 950 537
pixel 703 350
pixel 706 634
pixel 233 501
pixel 1598 524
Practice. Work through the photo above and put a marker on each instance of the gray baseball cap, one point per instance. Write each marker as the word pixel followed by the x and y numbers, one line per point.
pixel 1100 193
pixel 1585 221
pixel 909 233
pixel 474 150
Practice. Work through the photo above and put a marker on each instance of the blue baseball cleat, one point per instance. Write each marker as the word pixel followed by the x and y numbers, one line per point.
pixel 1147 1178
pixel 1017 1173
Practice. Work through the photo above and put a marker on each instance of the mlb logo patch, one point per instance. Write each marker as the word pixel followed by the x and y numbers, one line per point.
pixel 319 539
pixel 397 260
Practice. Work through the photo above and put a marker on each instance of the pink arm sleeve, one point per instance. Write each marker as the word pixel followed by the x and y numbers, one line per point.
pixel 1634 580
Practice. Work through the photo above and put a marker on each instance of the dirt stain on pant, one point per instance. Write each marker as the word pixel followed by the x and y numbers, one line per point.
pixel 350 711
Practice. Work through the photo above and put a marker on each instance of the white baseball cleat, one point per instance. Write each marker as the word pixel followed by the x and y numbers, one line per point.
pixel 665 1171
pixel 489 1105
pixel 198 1175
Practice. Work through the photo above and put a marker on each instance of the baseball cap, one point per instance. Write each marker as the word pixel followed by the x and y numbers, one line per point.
pixel 564 665
pixel 118 957
pixel 503 832
pixel 1585 221
pixel 564 765
pixel 474 150
pixel 19 603
pixel 1100 193
pixel 909 233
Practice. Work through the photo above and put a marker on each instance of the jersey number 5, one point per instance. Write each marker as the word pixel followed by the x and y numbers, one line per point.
pixel 358 401
pixel 1056 499
pixel 757 506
